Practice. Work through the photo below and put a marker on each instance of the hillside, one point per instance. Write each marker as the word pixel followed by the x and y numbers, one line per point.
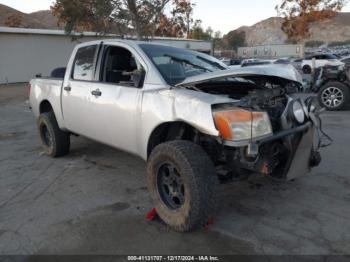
pixel 265 32
pixel 46 18
pixel 269 31
pixel 40 19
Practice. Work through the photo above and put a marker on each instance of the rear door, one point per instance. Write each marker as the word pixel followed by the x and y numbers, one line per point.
pixel 76 93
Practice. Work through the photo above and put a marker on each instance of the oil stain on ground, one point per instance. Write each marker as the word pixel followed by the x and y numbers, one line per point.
pixel 11 135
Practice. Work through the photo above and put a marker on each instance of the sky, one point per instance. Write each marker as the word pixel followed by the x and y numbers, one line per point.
pixel 221 15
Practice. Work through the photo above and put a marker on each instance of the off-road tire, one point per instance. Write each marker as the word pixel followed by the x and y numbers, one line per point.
pixel 200 182
pixel 307 69
pixel 346 95
pixel 60 141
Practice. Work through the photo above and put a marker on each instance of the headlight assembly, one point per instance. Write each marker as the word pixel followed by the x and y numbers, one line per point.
pixel 239 125
pixel 298 112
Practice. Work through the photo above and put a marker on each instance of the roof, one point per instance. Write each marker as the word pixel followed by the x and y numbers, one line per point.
pixel 14 30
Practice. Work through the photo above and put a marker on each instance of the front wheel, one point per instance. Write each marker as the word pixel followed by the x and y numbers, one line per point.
pixel 182 181
pixel 55 141
pixel 334 96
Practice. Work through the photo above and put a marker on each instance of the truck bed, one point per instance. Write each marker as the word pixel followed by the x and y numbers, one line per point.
pixel 46 89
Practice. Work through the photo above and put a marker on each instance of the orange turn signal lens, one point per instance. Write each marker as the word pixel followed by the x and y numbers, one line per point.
pixel 223 125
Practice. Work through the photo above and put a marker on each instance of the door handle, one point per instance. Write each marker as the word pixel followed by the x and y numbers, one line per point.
pixel 67 88
pixel 96 92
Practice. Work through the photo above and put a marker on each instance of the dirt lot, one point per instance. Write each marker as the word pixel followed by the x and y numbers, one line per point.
pixel 94 201
pixel 13 94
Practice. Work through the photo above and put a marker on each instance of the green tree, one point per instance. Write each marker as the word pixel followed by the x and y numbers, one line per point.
pixel 85 15
pixel 182 15
pixel 209 32
pixel 103 16
pixel 218 42
pixel 142 15
pixel 197 31
pixel 217 35
pixel 314 43
pixel 339 43
pixel 178 24
pixel 235 39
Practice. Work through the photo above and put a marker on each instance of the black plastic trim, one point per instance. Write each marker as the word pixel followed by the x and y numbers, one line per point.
pixel 285 133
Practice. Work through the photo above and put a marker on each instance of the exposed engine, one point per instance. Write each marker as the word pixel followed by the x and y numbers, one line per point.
pixel 260 93
pixel 273 101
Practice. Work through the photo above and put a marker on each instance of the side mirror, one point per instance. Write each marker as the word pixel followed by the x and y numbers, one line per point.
pixel 138 77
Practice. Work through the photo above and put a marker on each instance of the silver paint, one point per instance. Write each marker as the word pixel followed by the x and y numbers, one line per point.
pixel 126 117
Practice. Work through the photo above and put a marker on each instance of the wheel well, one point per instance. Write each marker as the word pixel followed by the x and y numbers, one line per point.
pixel 169 132
pixel 45 107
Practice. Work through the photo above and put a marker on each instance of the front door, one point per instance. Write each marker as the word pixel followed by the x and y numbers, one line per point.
pixel 115 101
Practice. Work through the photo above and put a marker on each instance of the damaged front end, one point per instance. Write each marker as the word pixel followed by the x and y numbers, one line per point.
pixel 281 146
pixel 270 129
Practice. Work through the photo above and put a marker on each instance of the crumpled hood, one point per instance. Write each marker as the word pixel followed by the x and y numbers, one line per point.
pixel 282 71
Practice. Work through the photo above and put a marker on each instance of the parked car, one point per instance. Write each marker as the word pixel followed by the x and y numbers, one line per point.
pixel 332 86
pixel 236 62
pixel 231 62
pixel 345 60
pixel 183 112
pixel 282 61
pixel 320 60
pixel 343 52
pixel 226 61
pixel 255 62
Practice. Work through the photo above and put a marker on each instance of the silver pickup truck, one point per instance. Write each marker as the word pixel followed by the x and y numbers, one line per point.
pixel 191 118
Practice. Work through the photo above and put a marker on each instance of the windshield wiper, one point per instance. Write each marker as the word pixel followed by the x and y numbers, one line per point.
pixel 177 59
pixel 211 62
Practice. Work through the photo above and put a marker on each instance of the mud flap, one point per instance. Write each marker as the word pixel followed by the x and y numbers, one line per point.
pixel 300 165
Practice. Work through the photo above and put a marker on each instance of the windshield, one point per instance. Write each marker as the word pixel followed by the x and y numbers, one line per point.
pixel 331 56
pixel 175 64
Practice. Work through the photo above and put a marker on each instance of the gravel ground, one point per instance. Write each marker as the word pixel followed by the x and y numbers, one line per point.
pixel 94 201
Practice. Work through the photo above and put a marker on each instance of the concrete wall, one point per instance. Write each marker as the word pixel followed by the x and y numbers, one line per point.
pixel 25 53
pixel 272 51
pixel 22 56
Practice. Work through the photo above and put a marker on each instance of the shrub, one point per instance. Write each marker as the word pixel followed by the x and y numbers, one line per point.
pixel 314 43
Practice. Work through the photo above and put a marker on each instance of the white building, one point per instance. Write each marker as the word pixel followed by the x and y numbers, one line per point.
pixel 27 52
pixel 271 51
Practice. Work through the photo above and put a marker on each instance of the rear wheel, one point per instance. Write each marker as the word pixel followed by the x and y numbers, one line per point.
pixel 181 180
pixel 55 141
pixel 334 96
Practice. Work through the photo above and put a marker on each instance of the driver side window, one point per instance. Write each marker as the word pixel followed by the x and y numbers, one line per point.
pixel 119 66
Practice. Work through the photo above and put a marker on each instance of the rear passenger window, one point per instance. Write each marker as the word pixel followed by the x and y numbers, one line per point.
pixel 83 68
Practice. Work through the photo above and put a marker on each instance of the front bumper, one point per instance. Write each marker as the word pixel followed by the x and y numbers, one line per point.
pixel 270 138
pixel 298 142
pixel 300 163
pixel 286 133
